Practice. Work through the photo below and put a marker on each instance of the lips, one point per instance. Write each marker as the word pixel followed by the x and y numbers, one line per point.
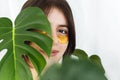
pixel 54 52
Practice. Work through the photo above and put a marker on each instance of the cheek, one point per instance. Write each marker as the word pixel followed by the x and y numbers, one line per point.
pixel 62 39
pixel 63 42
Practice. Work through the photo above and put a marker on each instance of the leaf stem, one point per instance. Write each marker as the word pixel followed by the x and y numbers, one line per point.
pixel 14 55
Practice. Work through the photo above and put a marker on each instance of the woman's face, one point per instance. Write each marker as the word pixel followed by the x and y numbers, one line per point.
pixel 60 36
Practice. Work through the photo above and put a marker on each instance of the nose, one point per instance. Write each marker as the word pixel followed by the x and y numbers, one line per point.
pixel 54 36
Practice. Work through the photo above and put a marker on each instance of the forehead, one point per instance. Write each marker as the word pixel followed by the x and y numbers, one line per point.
pixel 56 16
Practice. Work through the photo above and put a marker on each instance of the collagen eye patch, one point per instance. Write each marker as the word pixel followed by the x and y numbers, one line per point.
pixel 63 39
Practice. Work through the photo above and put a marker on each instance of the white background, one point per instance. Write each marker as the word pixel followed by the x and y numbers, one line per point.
pixel 97 28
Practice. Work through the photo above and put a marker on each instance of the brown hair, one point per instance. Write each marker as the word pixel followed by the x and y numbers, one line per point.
pixel 46 6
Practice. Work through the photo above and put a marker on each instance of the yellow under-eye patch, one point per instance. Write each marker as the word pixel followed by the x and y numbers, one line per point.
pixel 63 39
pixel 42 32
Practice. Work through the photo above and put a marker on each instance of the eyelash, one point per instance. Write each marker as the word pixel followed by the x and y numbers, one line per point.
pixel 62 31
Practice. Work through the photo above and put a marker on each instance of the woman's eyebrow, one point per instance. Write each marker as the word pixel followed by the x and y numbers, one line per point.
pixel 63 25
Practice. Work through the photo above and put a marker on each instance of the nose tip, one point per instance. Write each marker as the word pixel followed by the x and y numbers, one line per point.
pixel 55 39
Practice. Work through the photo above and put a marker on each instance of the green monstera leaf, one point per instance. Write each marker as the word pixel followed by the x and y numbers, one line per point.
pixel 13 38
pixel 81 67
pixel 95 59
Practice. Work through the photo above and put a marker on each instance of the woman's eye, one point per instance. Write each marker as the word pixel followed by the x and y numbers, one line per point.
pixel 62 31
